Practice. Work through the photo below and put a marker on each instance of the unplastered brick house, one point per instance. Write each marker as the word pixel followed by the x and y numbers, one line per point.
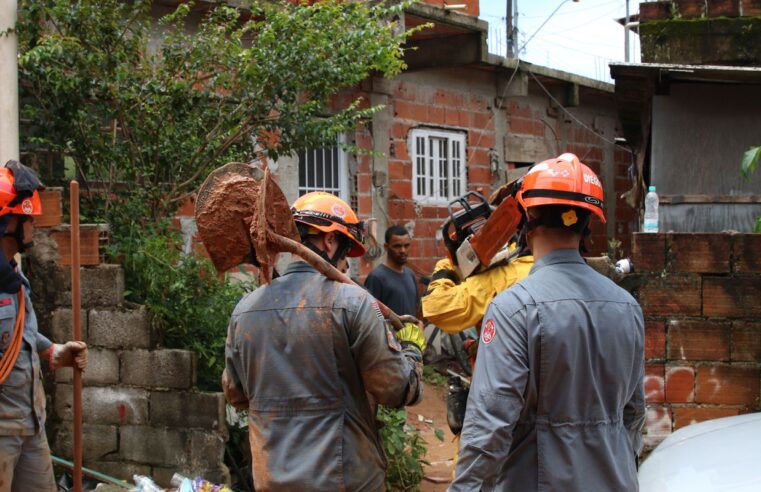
pixel 460 119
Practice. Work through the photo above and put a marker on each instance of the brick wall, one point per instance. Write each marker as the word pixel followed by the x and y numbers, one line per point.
pixel 701 296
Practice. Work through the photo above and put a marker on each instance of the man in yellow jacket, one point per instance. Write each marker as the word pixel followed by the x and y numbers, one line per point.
pixel 454 304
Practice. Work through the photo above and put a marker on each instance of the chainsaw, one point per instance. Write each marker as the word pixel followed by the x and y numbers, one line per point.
pixel 478 230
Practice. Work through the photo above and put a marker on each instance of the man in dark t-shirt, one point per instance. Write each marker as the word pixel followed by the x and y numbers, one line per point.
pixel 391 282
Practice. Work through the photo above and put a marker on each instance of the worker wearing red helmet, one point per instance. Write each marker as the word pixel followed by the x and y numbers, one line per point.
pixel 557 399
pixel 25 462
pixel 308 357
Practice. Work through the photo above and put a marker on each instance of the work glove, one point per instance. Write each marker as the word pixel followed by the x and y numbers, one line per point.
pixel 411 333
pixel 445 269
pixel 68 354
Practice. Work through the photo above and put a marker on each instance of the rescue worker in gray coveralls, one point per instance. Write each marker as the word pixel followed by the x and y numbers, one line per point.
pixel 557 401
pixel 25 463
pixel 302 355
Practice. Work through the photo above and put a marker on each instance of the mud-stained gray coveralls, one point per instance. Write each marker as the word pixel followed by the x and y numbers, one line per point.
pixel 24 454
pixel 304 350
pixel 557 401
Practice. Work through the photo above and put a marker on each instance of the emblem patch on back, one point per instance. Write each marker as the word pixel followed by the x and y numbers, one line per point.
pixel 487 334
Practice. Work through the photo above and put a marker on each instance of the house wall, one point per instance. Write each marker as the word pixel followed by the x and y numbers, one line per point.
pixel 700 296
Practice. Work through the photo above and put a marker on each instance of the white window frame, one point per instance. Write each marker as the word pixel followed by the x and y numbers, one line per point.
pixel 428 184
pixel 342 190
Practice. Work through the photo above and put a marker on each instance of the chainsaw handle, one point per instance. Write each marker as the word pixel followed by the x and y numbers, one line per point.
pixel 283 243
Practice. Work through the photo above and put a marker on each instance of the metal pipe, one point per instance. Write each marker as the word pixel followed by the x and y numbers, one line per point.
pixel 92 473
pixel 9 143
pixel 626 34
pixel 76 331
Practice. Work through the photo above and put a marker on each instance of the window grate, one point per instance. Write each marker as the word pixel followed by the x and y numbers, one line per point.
pixel 439 171
pixel 326 170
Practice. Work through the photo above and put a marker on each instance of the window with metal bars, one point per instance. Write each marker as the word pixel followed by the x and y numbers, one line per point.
pixel 324 169
pixel 438 171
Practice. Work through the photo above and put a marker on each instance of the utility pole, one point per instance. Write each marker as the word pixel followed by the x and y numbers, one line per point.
pixel 626 34
pixel 9 142
pixel 509 18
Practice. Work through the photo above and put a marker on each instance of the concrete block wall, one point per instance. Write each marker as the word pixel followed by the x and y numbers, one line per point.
pixel 141 411
pixel 701 296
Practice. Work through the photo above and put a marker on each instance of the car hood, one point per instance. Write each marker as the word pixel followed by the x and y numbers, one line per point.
pixel 716 455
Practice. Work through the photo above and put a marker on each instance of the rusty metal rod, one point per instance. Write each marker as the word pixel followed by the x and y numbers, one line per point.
pixel 76 331
pixel 288 245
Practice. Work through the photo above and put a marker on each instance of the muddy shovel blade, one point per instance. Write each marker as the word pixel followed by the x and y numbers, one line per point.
pixel 231 200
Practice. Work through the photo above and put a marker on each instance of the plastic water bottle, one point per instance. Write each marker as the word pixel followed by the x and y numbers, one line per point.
pixel 651 211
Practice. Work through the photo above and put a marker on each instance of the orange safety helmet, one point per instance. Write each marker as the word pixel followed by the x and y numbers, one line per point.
pixel 326 212
pixel 564 180
pixel 18 190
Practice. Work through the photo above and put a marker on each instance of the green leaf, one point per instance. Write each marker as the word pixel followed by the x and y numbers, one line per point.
pixel 757 225
pixel 439 434
pixel 750 161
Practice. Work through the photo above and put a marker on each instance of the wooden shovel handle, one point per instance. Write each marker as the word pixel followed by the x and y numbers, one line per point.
pixel 288 245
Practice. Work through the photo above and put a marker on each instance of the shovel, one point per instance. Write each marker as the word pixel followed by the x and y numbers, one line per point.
pixel 243 217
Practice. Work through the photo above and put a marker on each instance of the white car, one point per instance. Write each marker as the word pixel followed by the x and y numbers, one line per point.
pixel 718 455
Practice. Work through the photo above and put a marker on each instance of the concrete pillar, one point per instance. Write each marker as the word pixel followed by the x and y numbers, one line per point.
pixel 381 126
pixel 9 140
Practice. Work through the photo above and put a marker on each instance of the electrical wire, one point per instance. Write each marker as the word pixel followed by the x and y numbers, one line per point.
pixel 573 117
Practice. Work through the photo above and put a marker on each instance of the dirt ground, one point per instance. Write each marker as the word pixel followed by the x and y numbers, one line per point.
pixel 433 410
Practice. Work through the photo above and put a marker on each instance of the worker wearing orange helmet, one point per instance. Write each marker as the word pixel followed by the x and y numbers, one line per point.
pixel 557 399
pixel 302 355
pixel 25 462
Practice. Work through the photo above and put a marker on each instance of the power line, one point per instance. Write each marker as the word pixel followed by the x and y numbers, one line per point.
pixel 573 117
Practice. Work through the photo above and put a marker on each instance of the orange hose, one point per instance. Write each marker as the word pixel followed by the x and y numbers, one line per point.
pixel 11 353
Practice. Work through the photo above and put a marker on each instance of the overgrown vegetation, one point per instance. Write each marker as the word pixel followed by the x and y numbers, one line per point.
pixel 190 304
pixel 144 120
pixel 404 448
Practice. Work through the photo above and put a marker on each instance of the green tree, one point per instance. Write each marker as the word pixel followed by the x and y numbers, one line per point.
pixel 145 118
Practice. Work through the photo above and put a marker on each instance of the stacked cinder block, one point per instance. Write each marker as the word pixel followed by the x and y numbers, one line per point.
pixel 701 296
pixel 141 412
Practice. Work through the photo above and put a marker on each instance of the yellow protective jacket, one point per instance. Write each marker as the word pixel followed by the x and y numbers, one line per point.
pixel 455 307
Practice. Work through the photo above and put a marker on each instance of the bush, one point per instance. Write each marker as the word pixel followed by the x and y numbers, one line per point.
pixel 191 305
pixel 404 448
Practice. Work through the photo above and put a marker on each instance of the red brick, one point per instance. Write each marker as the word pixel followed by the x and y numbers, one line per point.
pixel 475 103
pixel 482 120
pixel 479 175
pixel 728 385
pixel 405 91
pixel 478 156
pixel 448 98
pixel 690 9
pixel 649 252
pixel 401 210
pixel 680 384
pixel 436 115
pixel 654 383
pixel 746 341
pixel 364 183
pixel 699 252
pixel 751 8
pixel 724 8
pixel 657 425
pixel 481 139
pixel 672 295
pixel 655 340
pixel 365 205
pixel 654 11
pixel 684 416
pixel 398 169
pixel 400 130
pixel 732 297
pixel 401 188
pixel 747 251
pixel 410 111
pixel 698 340
pixel 527 127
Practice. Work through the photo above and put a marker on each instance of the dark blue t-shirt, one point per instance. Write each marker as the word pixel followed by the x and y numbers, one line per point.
pixel 396 290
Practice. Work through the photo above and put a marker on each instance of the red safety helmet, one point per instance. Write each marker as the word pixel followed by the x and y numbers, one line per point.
pixel 19 187
pixel 326 212
pixel 564 180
